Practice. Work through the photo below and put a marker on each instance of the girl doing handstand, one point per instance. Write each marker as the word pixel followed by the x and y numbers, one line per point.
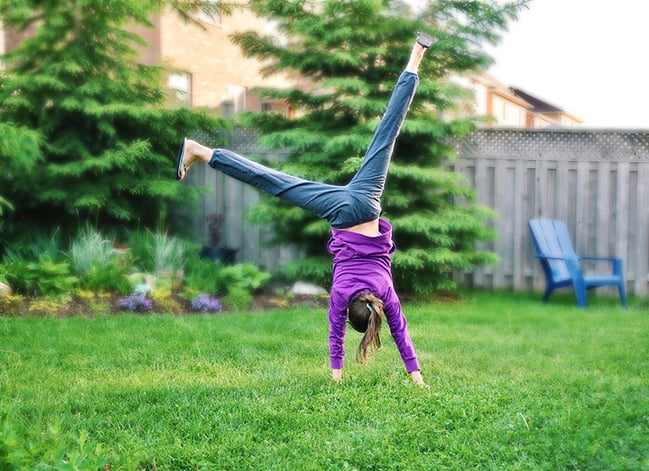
pixel 361 243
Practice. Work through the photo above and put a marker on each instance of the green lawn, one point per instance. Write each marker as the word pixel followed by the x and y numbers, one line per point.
pixel 513 384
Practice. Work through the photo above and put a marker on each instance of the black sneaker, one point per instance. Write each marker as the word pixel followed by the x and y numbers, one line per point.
pixel 424 39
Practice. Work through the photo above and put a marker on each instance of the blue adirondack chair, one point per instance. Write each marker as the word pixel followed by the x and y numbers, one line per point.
pixel 562 266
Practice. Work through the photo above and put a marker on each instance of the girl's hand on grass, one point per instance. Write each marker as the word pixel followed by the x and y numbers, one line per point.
pixel 337 375
pixel 417 378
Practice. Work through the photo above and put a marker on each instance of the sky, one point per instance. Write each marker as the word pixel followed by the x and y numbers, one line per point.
pixel 588 57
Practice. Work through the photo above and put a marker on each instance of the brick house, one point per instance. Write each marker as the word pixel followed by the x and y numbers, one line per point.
pixel 205 69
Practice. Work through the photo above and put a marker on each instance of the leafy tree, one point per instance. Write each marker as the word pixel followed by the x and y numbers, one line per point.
pixel 90 140
pixel 352 53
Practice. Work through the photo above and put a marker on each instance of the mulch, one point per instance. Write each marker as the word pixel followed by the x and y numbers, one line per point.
pixel 262 301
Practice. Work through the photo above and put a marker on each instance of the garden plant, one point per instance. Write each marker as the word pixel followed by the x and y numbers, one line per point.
pixel 154 272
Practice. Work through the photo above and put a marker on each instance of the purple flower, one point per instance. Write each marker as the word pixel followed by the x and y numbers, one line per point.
pixel 136 302
pixel 206 303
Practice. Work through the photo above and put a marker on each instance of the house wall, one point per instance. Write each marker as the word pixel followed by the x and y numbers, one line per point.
pixel 150 54
pixel 2 41
pixel 11 39
pixel 219 71
pixel 540 121
pixel 506 113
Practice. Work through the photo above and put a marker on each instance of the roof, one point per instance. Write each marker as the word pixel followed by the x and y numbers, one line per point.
pixel 538 105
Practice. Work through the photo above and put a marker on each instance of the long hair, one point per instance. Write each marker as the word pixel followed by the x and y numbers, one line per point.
pixel 365 313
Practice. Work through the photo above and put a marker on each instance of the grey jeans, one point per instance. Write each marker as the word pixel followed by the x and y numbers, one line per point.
pixel 341 206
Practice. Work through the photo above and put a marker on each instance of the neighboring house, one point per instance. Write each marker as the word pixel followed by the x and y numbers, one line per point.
pixel 9 39
pixel 512 107
pixel 206 70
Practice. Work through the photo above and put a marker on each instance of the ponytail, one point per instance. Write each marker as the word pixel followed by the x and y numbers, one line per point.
pixel 365 314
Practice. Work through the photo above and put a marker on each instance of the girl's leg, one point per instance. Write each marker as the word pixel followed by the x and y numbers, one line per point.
pixel 368 183
pixel 326 201
pixel 372 172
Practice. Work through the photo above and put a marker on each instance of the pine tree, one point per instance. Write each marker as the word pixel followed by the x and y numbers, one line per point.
pixel 22 146
pixel 351 52
pixel 105 142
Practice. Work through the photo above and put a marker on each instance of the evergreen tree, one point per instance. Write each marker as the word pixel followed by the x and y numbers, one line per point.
pixel 351 52
pixel 21 145
pixel 103 142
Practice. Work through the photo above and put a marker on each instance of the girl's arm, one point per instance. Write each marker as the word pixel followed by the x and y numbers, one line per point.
pixel 399 330
pixel 337 330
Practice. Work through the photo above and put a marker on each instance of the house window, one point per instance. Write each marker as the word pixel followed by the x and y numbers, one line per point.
pixel 210 14
pixel 235 102
pixel 227 109
pixel 180 86
pixel 279 107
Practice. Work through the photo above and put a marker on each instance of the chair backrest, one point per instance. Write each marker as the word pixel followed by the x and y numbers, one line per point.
pixel 551 238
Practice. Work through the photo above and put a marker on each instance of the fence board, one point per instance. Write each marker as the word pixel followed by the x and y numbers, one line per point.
pixel 641 265
pixel 518 217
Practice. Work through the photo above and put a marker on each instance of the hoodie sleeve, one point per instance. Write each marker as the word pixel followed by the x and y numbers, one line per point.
pixel 337 329
pixel 399 330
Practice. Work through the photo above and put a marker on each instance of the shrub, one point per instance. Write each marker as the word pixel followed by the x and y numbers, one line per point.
pixel 140 249
pixel 36 266
pixel 15 275
pixel 167 252
pixel 50 277
pixel 245 276
pixel 89 249
pixel 157 252
pixel 44 277
pixel 112 277
pixel 97 264
pixel 201 276
pixel 237 298
pixel 31 248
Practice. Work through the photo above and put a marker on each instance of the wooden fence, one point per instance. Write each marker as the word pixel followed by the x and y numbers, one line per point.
pixel 596 181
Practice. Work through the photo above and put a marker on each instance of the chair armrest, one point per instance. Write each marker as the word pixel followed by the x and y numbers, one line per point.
pixel 604 259
pixel 615 261
pixel 552 257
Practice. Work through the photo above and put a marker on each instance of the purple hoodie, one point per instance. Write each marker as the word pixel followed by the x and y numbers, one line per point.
pixel 362 264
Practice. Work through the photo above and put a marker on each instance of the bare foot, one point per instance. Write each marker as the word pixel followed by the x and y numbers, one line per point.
pixel 422 43
pixel 192 152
